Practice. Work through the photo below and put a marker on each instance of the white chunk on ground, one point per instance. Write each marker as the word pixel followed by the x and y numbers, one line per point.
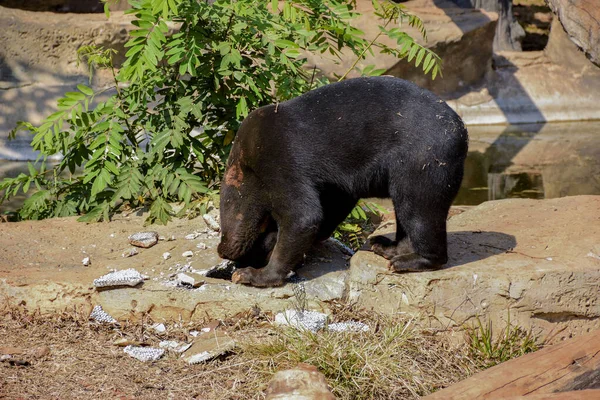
pixel 99 315
pixel 310 320
pixel 126 277
pixel 144 354
pixel 348 326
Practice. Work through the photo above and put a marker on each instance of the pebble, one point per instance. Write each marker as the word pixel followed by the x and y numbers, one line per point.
pixel 130 253
pixel 188 253
pixel 86 261
pixel 166 255
pixel 143 239
pixel 159 328
pixel 211 222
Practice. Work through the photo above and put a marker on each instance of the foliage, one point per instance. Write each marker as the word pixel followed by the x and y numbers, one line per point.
pixel 487 350
pixel 193 70
pixel 359 224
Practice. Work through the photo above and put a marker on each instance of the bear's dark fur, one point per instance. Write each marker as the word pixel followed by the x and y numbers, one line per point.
pixel 297 169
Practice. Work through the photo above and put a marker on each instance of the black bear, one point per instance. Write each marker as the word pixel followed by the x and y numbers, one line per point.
pixel 298 168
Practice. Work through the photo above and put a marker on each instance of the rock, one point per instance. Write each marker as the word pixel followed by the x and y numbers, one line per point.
pixel 186 280
pixel 562 51
pixel 304 382
pixel 130 253
pixel 571 365
pixel 202 246
pixel 86 261
pixel 310 320
pixel 348 326
pixel 207 347
pixel 509 33
pixel 144 239
pixel 159 328
pixel 211 222
pixel 166 255
pixel 188 253
pixel 581 21
pixel 99 315
pixel 459 36
pixel 40 352
pixel 174 346
pixel 192 236
pixel 126 277
pixel 144 354
pixel 499 268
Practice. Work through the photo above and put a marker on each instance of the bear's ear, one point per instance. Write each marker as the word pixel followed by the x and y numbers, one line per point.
pixel 264 224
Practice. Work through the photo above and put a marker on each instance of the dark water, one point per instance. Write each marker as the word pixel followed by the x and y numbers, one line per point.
pixel 522 161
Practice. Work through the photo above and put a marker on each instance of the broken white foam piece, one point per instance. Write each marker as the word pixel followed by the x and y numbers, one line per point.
pixel 125 277
pixel 188 253
pixel 160 328
pixel 144 239
pixel 99 315
pixel 310 320
pixel 211 222
pixel 144 353
pixel 348 326
pixel 86 261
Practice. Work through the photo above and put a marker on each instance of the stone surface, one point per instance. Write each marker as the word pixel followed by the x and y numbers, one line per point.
pixel 508 31
pixel 459 36
pixel 208 346
pixel 572 365
pixel 581 20
pixel 562 51
pixel 304 382
pixel 523 258
pixel 527 87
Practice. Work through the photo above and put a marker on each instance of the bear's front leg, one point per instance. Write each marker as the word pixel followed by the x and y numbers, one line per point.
pixel 295 238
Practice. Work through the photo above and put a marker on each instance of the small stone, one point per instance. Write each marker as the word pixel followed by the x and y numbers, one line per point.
pixel 144 353
pixel 211 222
pixel 166 255
pixel 208 347
pixel 192 236
pixel 343 248
pixel 174 346
pixel 302 382
pixel 130 253
pixel 194 333
pixel 348 326
pixel 86 261
pixel 99 315
pixel 143 239
pixel 186 280
pixel 310 320
pixel 224 270
pixel 126 277
pixel 202 246
pixel 188 253
pixel 159 328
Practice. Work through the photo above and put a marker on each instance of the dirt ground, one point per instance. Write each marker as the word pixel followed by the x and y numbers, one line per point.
pixel 65 356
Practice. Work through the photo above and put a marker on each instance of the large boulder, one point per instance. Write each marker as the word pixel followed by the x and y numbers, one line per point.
pixel 461 37
pixel 581 21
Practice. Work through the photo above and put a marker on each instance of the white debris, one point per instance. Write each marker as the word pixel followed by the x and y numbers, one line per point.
pixel 159 328
pixel 205 329
pixel 130 253
pixel 174 346
pixel 200 357
pixel 188 253
pixel 144 353
pixel 194 333
pixel 192 236
pixel 349 326
pixel 166 255
pixel 549 258
pixel 99 315
pixel 185 280
pixel 202 246
pixel 591 254
pixel 211 222
pixel 143 239
pixel 310 320
pixel 126 277
pixel 86 261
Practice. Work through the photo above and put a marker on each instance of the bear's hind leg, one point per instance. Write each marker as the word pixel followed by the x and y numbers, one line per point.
pixel 428 237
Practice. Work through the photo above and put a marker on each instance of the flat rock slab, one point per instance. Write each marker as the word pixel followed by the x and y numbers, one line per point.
pixel 41 267
pixel 537 261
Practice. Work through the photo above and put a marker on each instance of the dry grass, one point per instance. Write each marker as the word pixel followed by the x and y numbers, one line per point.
pixel 395 359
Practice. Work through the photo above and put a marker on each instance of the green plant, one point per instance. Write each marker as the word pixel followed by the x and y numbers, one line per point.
pixel 359 224
pixel 487 350
pixel 193 70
